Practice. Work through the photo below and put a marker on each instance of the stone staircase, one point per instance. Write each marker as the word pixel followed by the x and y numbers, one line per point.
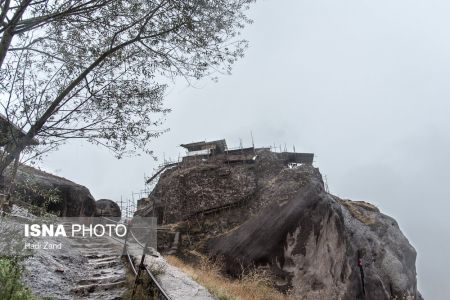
pixel 105 272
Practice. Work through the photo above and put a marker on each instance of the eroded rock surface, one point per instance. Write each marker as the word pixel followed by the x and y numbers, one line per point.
pixel 69 198
pixel 196 189
pixel 108 208
pixel 280 218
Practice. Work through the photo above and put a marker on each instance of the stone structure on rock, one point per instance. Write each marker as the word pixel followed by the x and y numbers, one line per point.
pixel 275 214
pixel 218 151
pixel 108 208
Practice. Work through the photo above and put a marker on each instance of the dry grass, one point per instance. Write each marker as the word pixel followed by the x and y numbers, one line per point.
pixel 254 285
pixel 366 205
pixel 360 210
pixel 157 268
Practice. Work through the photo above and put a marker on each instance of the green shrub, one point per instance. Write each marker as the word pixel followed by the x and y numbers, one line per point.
pixel 11 287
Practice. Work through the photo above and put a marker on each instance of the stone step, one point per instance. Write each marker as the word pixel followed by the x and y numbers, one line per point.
pixel 100 254
pixel 102 265
pixel 101 280
pixel 86 289
pixel 108 272
pixel 91 245
pixel 104 259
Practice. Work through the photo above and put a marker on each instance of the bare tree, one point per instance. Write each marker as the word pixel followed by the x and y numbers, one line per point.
pixel 100 74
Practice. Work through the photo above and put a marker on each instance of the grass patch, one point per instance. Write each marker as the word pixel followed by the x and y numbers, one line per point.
pixel 157 269
pixel 253 285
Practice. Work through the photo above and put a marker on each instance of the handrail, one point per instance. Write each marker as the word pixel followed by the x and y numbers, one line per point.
pixel 131 262
pixel 161 290
pixel 153 279
pixel 117 239
pixel 161 169
pixel 155 282
pixel 109 219
pixel 137 241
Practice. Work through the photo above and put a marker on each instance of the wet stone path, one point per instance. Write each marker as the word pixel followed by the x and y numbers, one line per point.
pixel 76 268
pixel 104 274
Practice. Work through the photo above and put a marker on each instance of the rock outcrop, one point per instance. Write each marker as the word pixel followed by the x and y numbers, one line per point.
pixel 56 194
pixel 108 208
pixel 272 216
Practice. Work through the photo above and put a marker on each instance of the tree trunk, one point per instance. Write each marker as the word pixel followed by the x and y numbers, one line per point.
pixel 8 34
pixel 4 201
pixel 37 126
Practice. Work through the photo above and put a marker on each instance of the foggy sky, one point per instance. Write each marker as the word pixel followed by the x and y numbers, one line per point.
pixel 362 84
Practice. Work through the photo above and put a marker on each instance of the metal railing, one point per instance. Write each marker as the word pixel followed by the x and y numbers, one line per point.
pixel 160 170
pixel 141 267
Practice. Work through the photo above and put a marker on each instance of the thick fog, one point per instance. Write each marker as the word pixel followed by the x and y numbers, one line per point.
pixel 365 85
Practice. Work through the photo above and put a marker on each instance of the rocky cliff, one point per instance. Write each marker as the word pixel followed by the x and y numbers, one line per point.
pixel 280 218
pixel 55 194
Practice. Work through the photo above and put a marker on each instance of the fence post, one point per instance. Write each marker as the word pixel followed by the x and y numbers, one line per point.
pixel 141 267
pixel 124 252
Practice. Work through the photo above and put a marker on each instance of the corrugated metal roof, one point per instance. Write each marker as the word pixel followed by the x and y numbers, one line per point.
pixel 222 144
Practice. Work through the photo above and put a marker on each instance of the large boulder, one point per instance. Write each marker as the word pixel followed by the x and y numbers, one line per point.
pixel 319 244
pixel 273 216
pixel 55 194
pixel 108 208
